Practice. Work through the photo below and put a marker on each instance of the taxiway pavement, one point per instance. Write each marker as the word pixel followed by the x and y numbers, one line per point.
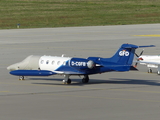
pixel 133 95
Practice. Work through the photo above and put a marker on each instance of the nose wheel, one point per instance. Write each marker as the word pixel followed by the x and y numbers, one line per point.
pixel 21 77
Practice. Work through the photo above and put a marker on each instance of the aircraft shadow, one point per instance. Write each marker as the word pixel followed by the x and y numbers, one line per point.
pixel 98 81
pixel 74 81
pixel 134 81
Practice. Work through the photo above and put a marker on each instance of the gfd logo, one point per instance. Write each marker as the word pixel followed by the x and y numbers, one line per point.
pixel 123 53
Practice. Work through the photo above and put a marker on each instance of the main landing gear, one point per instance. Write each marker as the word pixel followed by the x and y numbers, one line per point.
pixel 149 70
pixel 85 79
pixel 68 81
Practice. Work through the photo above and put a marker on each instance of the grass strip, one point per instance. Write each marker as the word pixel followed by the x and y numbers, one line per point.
pixel 68 13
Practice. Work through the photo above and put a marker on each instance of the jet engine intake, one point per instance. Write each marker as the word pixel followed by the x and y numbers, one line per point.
pixel 90 64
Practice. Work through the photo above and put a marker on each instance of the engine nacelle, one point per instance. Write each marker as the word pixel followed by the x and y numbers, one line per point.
pixel 80 63
pixel 90 64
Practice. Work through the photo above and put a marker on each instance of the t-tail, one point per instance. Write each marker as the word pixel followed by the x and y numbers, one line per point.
pixel 124 55
pixel 123 58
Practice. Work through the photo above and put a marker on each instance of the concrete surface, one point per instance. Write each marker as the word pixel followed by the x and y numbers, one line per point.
pixel 133 95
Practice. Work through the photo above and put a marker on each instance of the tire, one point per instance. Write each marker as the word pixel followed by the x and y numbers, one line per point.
pixel 149 70
pixel 69 81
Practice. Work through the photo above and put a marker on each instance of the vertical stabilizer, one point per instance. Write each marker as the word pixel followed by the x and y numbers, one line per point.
pixel 122 59
pixel 124 55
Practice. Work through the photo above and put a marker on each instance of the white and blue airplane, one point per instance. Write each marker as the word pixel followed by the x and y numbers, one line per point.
pixel 35 65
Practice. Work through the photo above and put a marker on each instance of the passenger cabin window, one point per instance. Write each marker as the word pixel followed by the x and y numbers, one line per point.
pixel 47 62
pixel 52 62
pixel 42 61
pixel 58 62
pixel 64 63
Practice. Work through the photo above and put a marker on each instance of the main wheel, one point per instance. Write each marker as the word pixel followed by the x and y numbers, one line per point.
pixel 149 70
pixel 69 81
pixel 85 79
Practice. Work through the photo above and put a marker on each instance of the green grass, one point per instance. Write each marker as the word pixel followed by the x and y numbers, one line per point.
pixel 64 13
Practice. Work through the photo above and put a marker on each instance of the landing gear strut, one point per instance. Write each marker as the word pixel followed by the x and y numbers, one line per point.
pixel 66 79
pixel 149 70
pixel 85 79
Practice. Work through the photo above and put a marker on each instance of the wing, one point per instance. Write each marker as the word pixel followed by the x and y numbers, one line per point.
pixel 70 72
pixel 150 64
pixel 147 62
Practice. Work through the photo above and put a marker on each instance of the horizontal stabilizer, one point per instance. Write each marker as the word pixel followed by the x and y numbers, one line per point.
pixel 135 46
pixel 147 46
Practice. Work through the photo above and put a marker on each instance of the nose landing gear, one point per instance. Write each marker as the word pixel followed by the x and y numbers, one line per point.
pixel 21 77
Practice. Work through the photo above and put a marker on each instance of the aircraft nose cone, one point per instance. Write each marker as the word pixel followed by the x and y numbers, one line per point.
pixel 8 68
pixel 12 67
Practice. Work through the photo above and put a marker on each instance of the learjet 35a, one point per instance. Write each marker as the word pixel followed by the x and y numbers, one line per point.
pixel 50 65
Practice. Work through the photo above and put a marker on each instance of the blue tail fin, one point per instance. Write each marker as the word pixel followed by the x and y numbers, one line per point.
pixel 123 58
pixel 125 55
pixel 121 61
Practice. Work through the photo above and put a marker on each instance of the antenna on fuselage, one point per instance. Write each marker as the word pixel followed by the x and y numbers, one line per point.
pixel 63 55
